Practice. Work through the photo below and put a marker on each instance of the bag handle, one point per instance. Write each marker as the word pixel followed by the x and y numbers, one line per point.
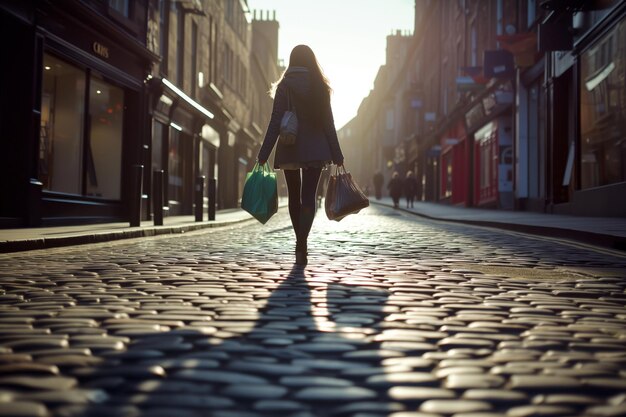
pixel 264 168
pixel 338 169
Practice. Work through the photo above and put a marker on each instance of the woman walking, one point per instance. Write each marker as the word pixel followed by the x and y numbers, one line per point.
pixel 304 87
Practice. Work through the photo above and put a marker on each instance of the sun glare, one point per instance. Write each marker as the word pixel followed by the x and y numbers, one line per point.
pixel 348 37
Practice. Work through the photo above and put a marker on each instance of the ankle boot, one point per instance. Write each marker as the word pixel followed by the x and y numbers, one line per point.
pixel 301 254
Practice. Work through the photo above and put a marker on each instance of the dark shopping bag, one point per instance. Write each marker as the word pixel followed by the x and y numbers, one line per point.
pixel 343 196
pixel 260 193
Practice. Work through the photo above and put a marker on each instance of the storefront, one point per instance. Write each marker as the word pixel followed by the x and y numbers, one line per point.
pixel 493 162
pixel 184 145
pixel 87 105
pixel 81 131
pixel 489 144
pixel 530 140
pixel 602 124
pixel 454 166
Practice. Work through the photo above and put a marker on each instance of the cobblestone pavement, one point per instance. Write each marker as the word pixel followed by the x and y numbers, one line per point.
pixel 394 316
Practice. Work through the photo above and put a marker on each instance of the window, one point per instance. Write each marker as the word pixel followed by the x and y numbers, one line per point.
pixel 602 111
pixel 62 124
pixel 212 49
pixel 120 6
pixel 194 63
pixel 447 165
pixel 175 171
pixel 390 119
pixel 229 67
pixel 236 18
pixel 444 81
pixel 164 11
pixel 157 146
pixel 230 11
pixel 532 9
pixel 104 151
pixel 180 47
pixel 73 159
pixel 473 46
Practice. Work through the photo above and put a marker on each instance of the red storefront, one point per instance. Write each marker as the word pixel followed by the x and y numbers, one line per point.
pixel 493 164
pixel 454 166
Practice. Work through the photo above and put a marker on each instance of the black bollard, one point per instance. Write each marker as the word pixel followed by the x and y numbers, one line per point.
pixel 199 198
pixel 157 197
pixel 135 195
pixel 212 188
pixel 34 203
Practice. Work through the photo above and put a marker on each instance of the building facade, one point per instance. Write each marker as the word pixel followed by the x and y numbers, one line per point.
pixel 585 75
pixel 98 88
pixel 73 109
pixel 506 104
pixel 217 124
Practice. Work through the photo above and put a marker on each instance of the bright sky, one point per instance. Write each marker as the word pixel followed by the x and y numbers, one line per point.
pixel 348 38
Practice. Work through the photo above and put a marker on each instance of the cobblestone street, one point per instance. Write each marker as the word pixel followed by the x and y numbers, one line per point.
pixel 394 316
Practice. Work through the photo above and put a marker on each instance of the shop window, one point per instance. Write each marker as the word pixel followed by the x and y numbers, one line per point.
pixel 61 132
pixel 75 159
pixel 157 146
pixel 120 6
pixel 603 111
pixel 175 174
pixel 485 166
pixel 104 151
pixel 447 165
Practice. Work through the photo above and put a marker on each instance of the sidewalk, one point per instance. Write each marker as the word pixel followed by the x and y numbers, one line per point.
pixel 22 239
pixel 603 231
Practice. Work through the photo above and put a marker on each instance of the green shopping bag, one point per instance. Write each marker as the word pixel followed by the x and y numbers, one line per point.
pixel 260 193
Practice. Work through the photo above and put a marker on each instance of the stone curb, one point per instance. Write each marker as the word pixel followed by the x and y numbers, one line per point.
pixel 598 239
pixel 53 242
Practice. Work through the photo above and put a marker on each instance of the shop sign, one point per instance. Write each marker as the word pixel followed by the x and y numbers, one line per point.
pixel 474 116
pixel 464 84
pixel 485 133
pixel 498 99
pixel 434 151
pixel 562 61
pixel 100 50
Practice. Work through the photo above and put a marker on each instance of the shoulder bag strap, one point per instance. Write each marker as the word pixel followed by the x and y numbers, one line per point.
pixel 289 99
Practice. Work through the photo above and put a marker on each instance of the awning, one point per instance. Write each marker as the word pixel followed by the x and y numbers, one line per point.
pixel 188 100
pixel 523 46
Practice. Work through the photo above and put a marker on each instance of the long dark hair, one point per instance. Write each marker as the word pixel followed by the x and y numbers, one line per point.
pixel 319 102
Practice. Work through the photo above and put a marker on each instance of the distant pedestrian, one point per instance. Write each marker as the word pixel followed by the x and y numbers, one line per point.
pixel 395 187
pixel 378 181
pixel 410 188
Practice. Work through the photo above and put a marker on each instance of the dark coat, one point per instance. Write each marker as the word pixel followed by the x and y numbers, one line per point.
pixel 410 187
pixel 395 187
pixel 313 144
